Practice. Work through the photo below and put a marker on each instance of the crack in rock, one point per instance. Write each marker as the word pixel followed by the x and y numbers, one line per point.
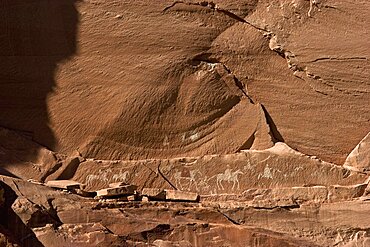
pixel 206 58
pixel 228 217
pixel 337 59
pixel 238 83
pixel 303 72
pixel 165 178
pixel 214 7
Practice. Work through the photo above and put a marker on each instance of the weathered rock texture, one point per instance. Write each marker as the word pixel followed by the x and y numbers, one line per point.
pixel 60 219
pixel 119 80
pixel 259 106
pixel 359 158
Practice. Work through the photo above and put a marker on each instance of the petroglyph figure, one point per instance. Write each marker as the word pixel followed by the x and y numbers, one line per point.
pixel 313 3
pixel 339 239
pixel 203 184
pixel 121 177
pixel 177 177
pixel 230 177
pixel 358 237
pixel 248 166
pixel 165 141
pixel 267 173
pixel 234 178
pixel 102 176
pixel 194 137
pixel 192 180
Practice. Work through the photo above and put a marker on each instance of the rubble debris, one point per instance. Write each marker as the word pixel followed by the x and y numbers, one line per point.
pixel 117 191
pixel 64 184
pixel 132 197
pixel 145 199
pixel 153 193
pixel 156 194
pixel 34 181
pixel 116 185
pixel 84 193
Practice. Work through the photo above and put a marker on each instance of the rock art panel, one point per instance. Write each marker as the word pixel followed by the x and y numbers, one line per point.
pixel 86 222
pixel 277 167
pixel 256 106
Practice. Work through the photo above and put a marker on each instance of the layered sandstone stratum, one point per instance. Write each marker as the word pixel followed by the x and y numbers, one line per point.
pixel 261 107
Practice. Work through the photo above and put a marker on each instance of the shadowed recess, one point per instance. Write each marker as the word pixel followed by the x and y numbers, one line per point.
pixel 34 37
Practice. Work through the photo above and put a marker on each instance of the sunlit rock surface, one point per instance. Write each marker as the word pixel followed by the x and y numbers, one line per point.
pixel 260 107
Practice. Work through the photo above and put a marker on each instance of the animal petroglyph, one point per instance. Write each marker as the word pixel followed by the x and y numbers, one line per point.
pixel 106 177
pixel 204 185
pixel 102 176
pixel 177 177
pixel 230 177
pixel 121 177
pixel 192 179
pixel 356 239
pixel 190 182
pixel 269 173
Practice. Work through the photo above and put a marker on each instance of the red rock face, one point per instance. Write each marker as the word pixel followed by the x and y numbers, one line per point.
pixel 252 105
pixel 35 38
pixel 143 80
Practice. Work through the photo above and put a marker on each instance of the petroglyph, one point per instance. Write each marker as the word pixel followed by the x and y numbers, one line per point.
pixel 191 181
pixel 165 141
pixel 261 161
pixel 105 176
pixel 211 66
pixel 177 177
pixel 267 173
pixel 248 166
pixel 230 177
pixel 356 238
pixel 121 177
pixel 196 181
pixel 102 176
pixel 313 3
pixel 204 185
pixel 192 136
